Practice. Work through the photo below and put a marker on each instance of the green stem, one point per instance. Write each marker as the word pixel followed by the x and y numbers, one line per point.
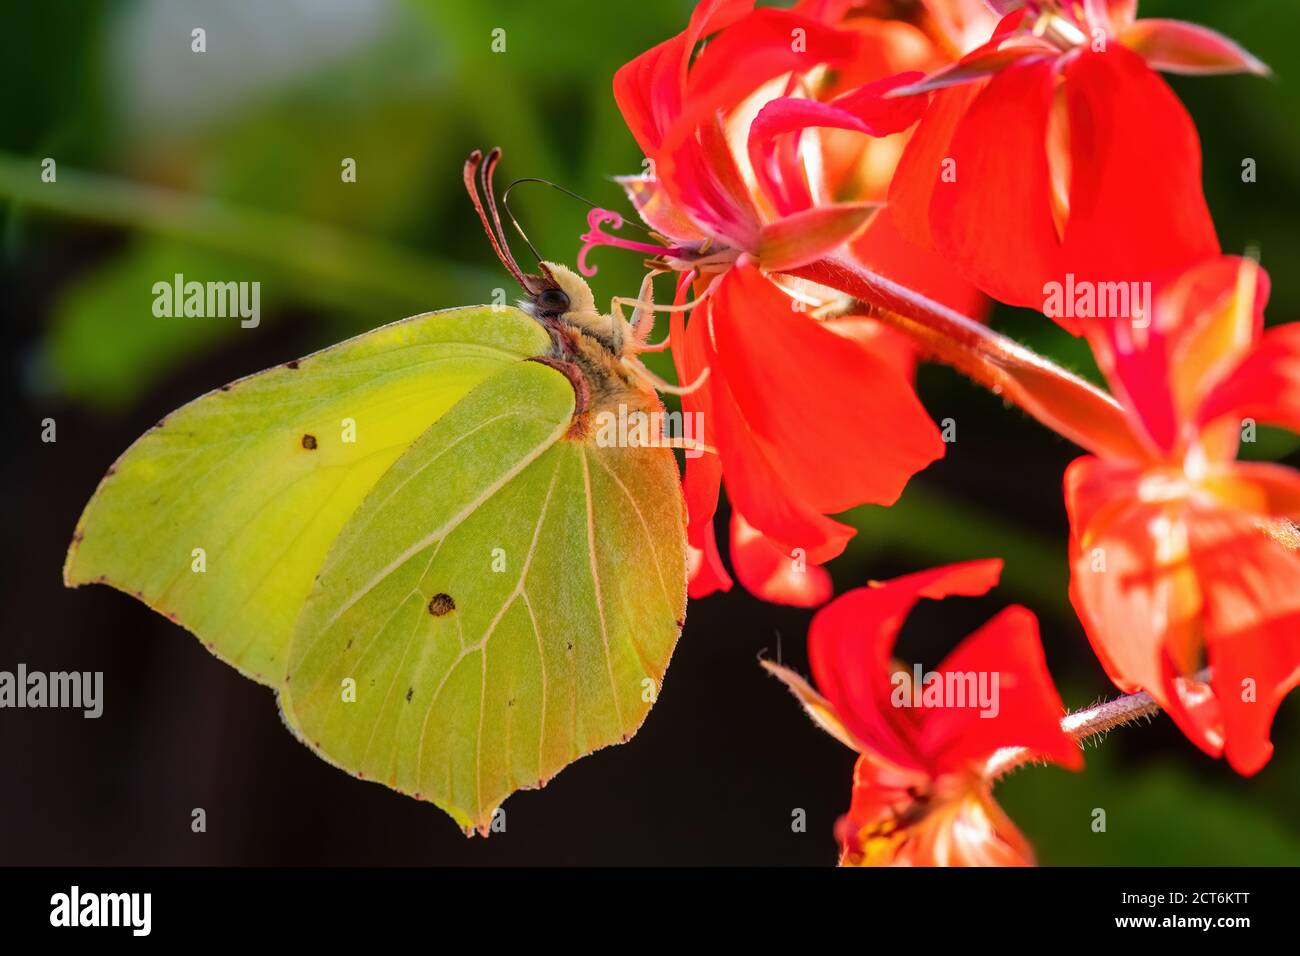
pixel 311 249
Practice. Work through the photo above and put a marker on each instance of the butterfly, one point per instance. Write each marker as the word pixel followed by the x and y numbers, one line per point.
pixel 416 540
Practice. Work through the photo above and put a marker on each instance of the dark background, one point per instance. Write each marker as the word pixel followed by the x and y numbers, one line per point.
pixel 260 123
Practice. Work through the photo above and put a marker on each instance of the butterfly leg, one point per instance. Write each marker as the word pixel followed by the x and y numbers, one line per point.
pixel 659 384
pixel 686 444
pixel 643 316
pixel 643 320
pixel 642 312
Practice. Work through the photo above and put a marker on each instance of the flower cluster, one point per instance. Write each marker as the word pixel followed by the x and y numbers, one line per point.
pixel 840 188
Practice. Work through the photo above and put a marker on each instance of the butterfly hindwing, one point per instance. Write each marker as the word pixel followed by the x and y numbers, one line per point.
pixel 500 605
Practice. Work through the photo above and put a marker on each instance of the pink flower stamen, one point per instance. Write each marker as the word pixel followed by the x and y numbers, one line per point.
pixel 595 236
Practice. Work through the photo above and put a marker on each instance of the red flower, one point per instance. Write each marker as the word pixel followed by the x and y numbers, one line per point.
pixel 859 168
pixel 922 790
pixel 805 422
pixel 1171 565
pixel 1055 148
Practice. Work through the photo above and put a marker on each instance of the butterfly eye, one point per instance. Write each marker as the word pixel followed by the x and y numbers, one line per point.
pixel 552 302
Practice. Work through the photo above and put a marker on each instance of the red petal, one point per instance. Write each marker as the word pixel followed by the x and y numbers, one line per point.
pixel 756 474
pixel 1028 709
pixel 851 641
pixel 1204 321
pixel 648 89
pixel 1178 47
pixel 922 163
pixel 1120 14
pixel 845 426
pixel 1216 312
pixel 994 222
pixel 802 237
pixel 865 110
pixel 1258 488
pixel 1126 225
pixel 1130 602
pixel 651 94
pixel 658 210
pixel 978 64
pixel 705 572
pixel 770 573
pixel 1252 629
pixel 750 52
pixel 1265 386
pixel 702 481
pixel 702 178
pixel 886 343
pixel 1137 592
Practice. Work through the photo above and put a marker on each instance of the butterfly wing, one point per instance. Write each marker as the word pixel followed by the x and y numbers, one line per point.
pixel 220 516
pixel 505 601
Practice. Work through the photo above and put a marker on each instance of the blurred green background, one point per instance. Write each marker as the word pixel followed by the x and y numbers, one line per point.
pixel 227 165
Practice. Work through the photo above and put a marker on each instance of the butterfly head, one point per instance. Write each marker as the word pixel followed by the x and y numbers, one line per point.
pixel 566 297
pixel 556 295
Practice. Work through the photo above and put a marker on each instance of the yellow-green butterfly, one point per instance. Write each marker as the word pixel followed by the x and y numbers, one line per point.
pixel 415 538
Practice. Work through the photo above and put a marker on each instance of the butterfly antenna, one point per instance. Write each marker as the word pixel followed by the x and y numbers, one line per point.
pixel 492 227
pixel 505 201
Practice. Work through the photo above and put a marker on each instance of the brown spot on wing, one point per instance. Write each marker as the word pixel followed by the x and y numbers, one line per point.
pixel 441 604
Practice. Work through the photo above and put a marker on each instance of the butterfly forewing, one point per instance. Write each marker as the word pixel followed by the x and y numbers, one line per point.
pixel 220 516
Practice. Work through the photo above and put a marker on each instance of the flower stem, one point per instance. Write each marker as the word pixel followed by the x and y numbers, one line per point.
pixel 1055 396
pixel 1082 725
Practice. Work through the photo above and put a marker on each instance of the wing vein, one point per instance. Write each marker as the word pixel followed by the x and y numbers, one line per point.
pixel 645 526
pixel 456 519
pixel 595 580
pixel 541 658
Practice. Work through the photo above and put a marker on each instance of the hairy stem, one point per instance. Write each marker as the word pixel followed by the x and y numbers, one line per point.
pixel 1082 725
pixel 1055 396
